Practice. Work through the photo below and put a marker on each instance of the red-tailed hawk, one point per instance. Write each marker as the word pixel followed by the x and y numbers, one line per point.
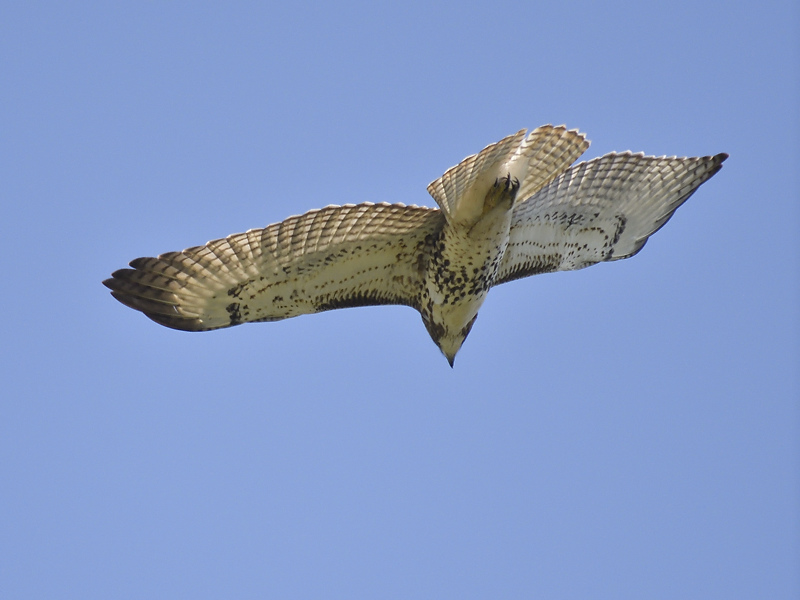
pixel 515 209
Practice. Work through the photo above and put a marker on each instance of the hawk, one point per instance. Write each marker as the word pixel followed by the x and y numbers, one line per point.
pixel 515 209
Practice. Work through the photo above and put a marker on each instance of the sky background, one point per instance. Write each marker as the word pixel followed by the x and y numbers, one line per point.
pixel 627 431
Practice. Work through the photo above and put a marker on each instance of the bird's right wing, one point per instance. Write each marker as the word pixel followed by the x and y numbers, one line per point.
pixel 334 257
pixel 603 209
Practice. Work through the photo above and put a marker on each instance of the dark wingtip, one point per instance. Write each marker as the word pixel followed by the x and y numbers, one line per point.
pixel 113 282
pixel 716 164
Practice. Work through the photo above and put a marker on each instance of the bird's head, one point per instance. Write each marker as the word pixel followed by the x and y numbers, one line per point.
pixel 447 339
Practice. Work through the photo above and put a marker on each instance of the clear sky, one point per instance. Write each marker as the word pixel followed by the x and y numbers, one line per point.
pixel 626 431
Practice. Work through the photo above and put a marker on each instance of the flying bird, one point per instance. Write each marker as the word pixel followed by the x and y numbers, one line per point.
pixel 515 209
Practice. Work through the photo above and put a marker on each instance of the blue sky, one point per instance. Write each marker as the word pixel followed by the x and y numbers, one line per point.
pixel 626 431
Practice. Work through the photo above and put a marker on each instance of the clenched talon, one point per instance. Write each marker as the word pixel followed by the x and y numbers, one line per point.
pixel 510 183
pixel 504 191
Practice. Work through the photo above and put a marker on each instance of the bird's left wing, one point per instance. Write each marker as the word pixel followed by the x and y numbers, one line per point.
pixel 334 257
pixel 603 209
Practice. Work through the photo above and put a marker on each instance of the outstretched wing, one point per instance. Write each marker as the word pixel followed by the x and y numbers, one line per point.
pixel 534 160
pixel 334 257
pixel 603 209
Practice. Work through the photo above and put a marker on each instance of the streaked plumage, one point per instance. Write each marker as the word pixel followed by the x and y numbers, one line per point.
pixel 513 210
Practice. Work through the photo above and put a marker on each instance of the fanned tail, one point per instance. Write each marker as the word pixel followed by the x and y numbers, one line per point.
pixel 534 160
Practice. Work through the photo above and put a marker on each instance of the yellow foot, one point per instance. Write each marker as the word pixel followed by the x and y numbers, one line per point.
pixel 503 192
